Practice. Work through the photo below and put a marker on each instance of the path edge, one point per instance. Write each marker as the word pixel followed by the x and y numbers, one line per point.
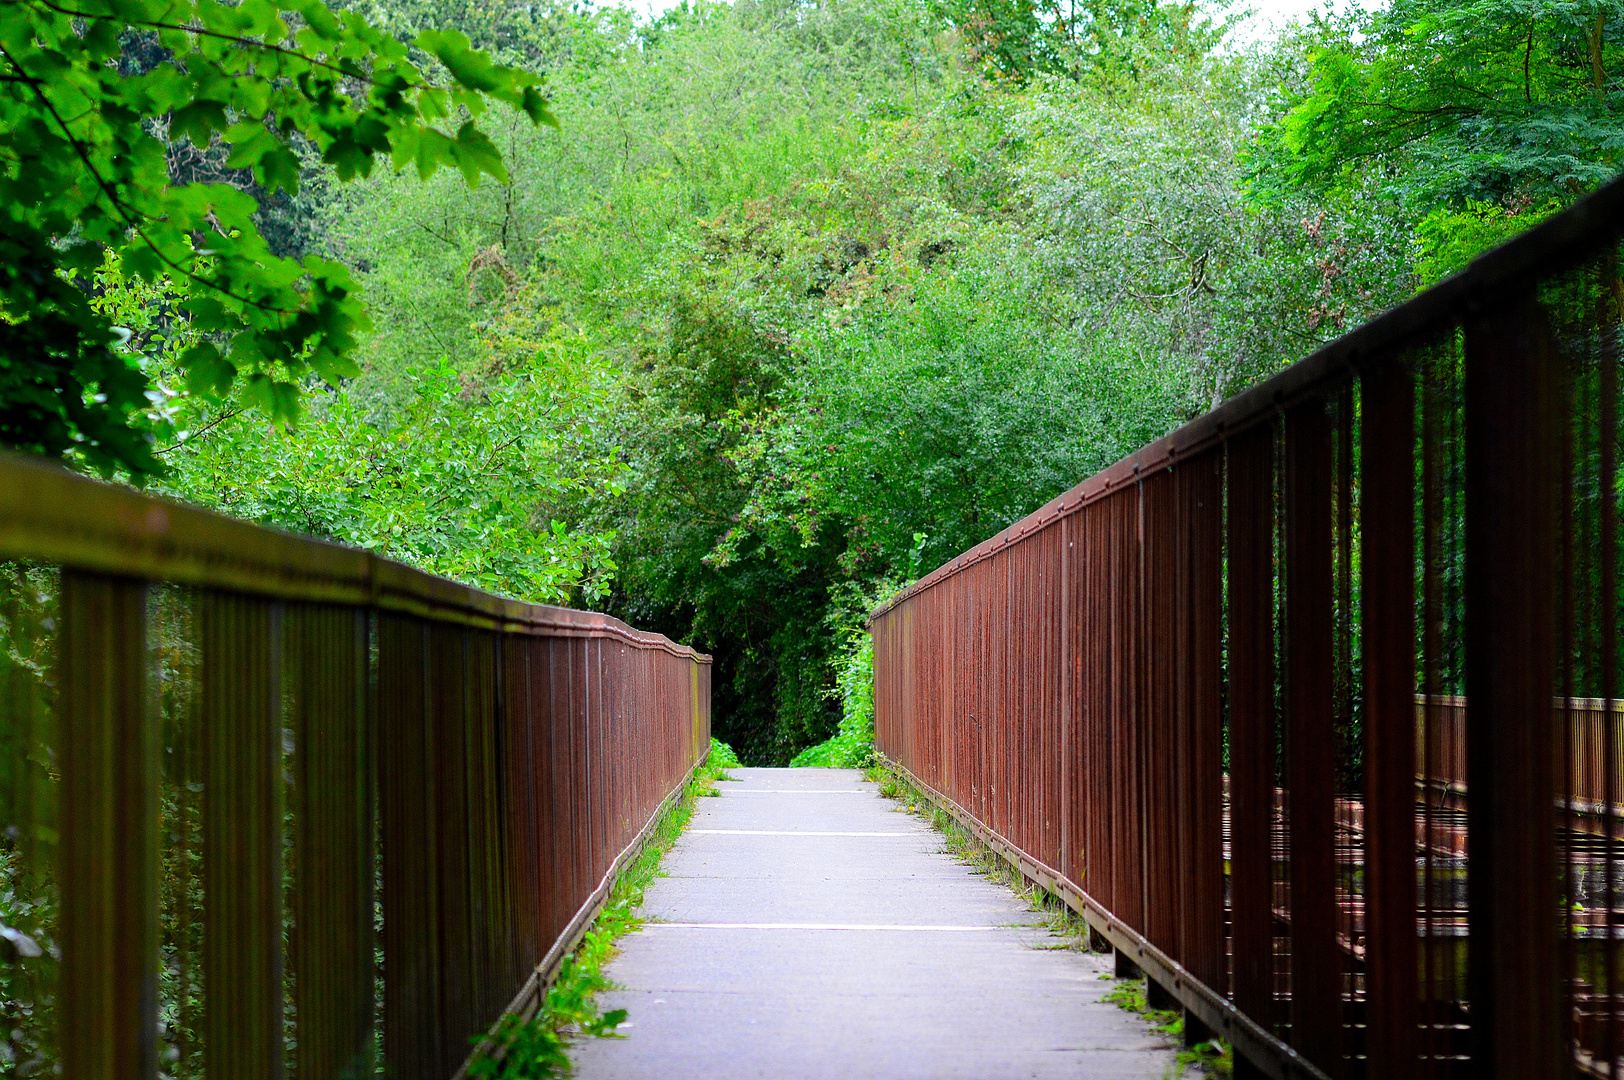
pixel 527 1002
pixel 1272 1057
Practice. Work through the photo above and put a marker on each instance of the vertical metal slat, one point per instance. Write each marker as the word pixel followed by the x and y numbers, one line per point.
pixel 407 800
pixel 109 802
pixel 332 948
pixel 1251 723
pixel 1387 518
pixel 242 837
pixel 1512 964
pixel 1316 961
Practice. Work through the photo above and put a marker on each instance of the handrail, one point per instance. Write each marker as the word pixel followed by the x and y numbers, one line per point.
pixel 1558 243
pixel 299 759
pixel 58 517
pixel 1304 587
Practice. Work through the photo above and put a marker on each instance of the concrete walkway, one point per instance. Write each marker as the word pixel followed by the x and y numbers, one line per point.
pixel 809 929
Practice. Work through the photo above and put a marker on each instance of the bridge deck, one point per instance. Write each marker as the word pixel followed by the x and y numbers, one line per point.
pixel 808 929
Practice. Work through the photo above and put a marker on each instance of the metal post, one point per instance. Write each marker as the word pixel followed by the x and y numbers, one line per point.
pixel 242 837
pixel 1513 967
pixel 1387 516
pixel 1251 722
pixel 1316 963
pixel 109 817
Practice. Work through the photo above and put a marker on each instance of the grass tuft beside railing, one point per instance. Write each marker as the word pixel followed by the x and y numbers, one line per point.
pixel 521 1049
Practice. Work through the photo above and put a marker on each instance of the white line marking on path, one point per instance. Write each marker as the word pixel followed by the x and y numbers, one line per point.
pixel 793 832
pixel 791 791
pixel 815 926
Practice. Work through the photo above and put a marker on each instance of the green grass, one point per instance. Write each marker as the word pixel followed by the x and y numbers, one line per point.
pixel 530 1049
pixel 1215 1057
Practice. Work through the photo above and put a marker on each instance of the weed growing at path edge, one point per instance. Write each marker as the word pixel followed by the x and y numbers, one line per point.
pixel 722 757
pixel 1214 1057
pixel 521 1049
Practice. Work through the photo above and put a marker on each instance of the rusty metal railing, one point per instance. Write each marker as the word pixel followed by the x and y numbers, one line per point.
pixel 1271 700
pixel 270 806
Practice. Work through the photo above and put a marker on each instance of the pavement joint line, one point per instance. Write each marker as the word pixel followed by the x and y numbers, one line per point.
pixel 820 926
pixel 790 832
pixel 758 945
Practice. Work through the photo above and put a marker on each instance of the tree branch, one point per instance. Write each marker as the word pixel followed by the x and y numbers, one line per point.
pixel 218 420
pixel 236 39
pixel 119 205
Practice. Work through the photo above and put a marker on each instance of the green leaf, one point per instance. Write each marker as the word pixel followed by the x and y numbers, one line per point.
pixel 279 168
pixel 163 88
pixel 207 372
pixel 199 120
pixel 534 105
pixel 284 402
pixel 249 143
pixel 142 261
pixel 476 154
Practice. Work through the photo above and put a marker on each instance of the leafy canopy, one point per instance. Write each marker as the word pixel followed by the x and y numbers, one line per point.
pixel 856 305
pixel 1107 42
pixel 1448 103
pixel 463 474
pixel 83 174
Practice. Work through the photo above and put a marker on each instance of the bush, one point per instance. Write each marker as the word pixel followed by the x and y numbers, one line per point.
pixel 721 755
pixel 853 746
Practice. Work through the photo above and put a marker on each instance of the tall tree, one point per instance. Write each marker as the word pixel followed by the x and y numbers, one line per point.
pixel 1448 103
pixel 1115 41
pixel 83 174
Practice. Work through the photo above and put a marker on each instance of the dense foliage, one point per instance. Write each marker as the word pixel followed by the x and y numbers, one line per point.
pixel 1451 104
pixel 93 95
pixel 1476 118
pixel 800 300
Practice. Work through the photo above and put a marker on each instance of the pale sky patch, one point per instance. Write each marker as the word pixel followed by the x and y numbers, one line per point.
pixel 1269 16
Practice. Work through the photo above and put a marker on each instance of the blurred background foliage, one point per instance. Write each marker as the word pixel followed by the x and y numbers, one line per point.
pixel 803 298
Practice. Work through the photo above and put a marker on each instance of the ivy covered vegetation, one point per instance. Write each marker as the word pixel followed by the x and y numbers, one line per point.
pixel 792 302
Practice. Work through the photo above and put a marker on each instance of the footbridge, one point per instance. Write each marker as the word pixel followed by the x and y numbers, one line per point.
pixel 1312 710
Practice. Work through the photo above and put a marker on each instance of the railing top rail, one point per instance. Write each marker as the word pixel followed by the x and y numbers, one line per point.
pixel 1552 247
pixel 51 516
